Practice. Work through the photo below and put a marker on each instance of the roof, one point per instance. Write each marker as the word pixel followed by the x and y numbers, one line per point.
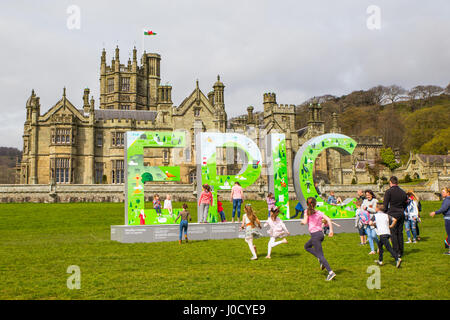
pixel 140 115
pixel 361 164
pixel 434 159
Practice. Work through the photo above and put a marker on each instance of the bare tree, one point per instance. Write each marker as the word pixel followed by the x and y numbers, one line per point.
pixel 431 91
pixel 393 93
pixel 377 93
pixel 415 94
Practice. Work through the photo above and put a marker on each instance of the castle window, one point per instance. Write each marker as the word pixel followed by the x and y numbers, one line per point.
pixel 118 139
pixel 165 156
pixel 187 154
pixel 125 84
pixel 98 172
pixel 62 136
pixel 99 138
pixel 197 112
pixel 124 107
pixel 118 173
pixel 110 85
pixel 61 170
pixel 192 176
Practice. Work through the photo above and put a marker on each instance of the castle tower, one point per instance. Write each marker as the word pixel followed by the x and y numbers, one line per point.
pixel 218 98
pixel 129 86
pixel 152 67
pixel 269 102
pixel 164 104
pixel 316 126
pixel 250 116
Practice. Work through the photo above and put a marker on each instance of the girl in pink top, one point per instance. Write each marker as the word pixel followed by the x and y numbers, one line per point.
pixel 270 203
pixel 314 246
pixel 204 202
pixel 277 229
pixel 237 196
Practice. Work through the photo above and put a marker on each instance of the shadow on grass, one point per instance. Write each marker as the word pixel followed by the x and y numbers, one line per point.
pixel 409 251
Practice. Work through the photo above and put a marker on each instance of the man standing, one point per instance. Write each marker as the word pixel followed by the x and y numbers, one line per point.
pixel 395 202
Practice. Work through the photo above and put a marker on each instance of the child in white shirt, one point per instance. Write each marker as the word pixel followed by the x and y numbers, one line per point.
pixel 381 221
pixel 168 204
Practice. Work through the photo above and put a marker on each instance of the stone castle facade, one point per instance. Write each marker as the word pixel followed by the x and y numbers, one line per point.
pixel 84 145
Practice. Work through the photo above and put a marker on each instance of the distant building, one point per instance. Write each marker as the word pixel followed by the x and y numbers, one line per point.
pixel 425 166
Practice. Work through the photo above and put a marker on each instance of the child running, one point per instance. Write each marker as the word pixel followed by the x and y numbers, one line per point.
pixel 168 204
pixel 314 218
pixel 381 221
pixel 157 205
pixel 270 203
pixel 277 229
pixel 185 215
pixel 220 209
pixel 250 222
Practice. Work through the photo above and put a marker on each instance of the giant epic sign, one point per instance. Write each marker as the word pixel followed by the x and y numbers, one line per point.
pixel 207 144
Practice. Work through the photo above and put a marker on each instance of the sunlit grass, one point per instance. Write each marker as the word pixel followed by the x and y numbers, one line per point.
pixel 38 242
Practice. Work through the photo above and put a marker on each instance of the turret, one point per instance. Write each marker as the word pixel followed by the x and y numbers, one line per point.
pixel 165 94
pixel 250 118
pixel 103 62
pixel 334 123
pixel 269 101
pixel 86 106
pixel 219 92
pixel 134 64
pixel 117 60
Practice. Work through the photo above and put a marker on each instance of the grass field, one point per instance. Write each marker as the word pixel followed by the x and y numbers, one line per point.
pixel 39 242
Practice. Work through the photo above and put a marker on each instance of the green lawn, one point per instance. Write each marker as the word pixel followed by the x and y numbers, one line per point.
pixel 39 242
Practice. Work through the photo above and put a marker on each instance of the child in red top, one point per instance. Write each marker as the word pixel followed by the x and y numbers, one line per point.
pixel 220 209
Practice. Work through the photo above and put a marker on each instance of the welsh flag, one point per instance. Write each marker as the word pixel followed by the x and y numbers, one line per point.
pixel 149 33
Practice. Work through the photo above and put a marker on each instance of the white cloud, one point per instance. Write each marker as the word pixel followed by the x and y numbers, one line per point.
pixel 296 49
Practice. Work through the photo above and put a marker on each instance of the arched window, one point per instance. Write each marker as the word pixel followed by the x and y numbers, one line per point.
pixel 192 176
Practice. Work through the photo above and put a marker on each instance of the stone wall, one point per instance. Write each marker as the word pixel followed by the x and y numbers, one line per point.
pixel 112 192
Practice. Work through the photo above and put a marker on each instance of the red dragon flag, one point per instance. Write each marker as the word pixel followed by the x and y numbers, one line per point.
pixel 149 33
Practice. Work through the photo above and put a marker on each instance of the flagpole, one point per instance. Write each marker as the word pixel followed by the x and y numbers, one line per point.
pixel 143 39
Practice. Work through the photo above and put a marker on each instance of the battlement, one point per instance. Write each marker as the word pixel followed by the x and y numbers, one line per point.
pixel 284 108
pixel 369 140
pixel 270 97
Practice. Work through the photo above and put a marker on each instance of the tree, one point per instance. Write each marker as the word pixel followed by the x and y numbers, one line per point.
pixel 388 158
pixel 377 94
pixel 422 125
pixel 393 93
pixel 414 94
pixel 440 144
pixel 431 91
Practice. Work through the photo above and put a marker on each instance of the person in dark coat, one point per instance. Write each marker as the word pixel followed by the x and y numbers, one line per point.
pixel 395 203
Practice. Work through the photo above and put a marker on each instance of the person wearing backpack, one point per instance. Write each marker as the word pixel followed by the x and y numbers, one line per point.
pixel 360 219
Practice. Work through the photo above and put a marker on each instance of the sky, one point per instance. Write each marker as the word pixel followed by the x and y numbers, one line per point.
pixel 296 49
